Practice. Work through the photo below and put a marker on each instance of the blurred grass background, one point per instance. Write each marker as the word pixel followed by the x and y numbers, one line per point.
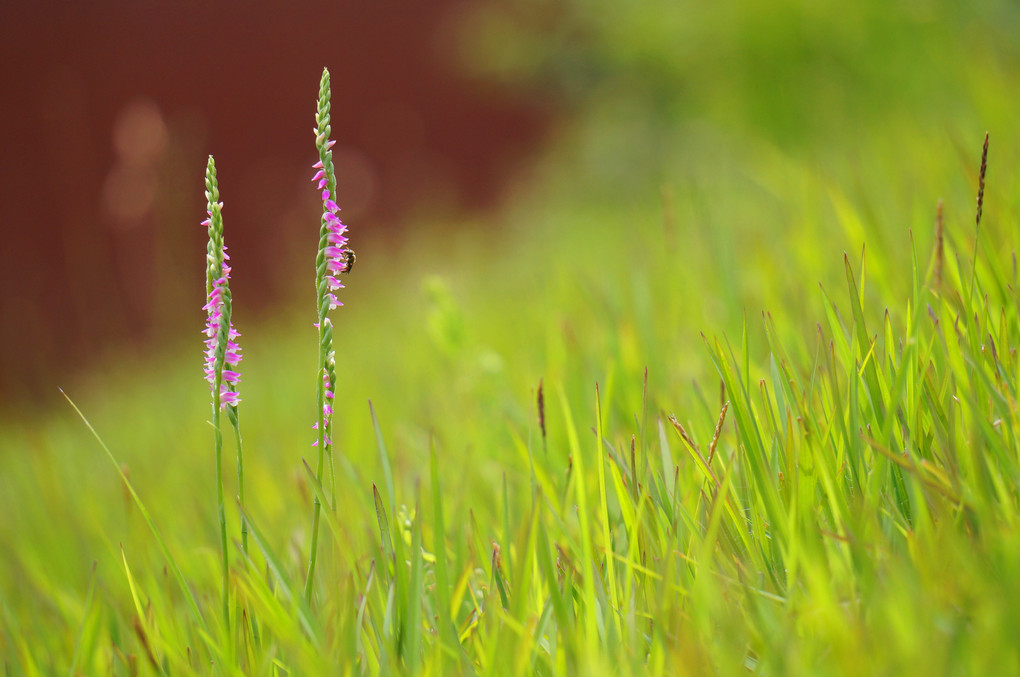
pixel 706 162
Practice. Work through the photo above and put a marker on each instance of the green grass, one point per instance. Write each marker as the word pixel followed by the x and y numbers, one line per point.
pixel 828 487
pixel 763 455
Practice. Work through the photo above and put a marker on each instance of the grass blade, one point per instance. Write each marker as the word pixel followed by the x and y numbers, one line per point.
pixel 171 561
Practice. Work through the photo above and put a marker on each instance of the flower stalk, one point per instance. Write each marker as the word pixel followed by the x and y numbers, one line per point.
pixel 332 259
pixel 222 357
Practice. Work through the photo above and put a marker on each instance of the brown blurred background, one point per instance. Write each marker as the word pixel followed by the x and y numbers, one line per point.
pixel 109 111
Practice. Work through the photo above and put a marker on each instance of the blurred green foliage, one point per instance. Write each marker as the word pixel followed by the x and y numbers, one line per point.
pixel 793 71
pixel 662 90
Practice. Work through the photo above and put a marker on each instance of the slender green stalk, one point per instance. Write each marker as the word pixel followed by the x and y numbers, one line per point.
pixel 317 506
pixel 218 443
pixel 324 426
pixel 232 414
pixel 332 462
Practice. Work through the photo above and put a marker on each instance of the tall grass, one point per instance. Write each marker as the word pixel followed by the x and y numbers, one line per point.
pixel 841 502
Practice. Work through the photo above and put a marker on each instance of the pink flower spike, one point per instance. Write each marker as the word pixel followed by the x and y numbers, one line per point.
pixel 222 354
pixel 334 258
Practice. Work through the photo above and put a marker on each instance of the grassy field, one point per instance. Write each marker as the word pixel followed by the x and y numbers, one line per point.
pixel 836 494
pixel 750 407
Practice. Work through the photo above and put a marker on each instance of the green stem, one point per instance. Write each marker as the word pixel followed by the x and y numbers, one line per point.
pixel 219 499
pixel 317 509
pixel 332 471
pixel 232 414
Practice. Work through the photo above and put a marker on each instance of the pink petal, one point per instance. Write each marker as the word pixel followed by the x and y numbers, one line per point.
pixel 229 397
